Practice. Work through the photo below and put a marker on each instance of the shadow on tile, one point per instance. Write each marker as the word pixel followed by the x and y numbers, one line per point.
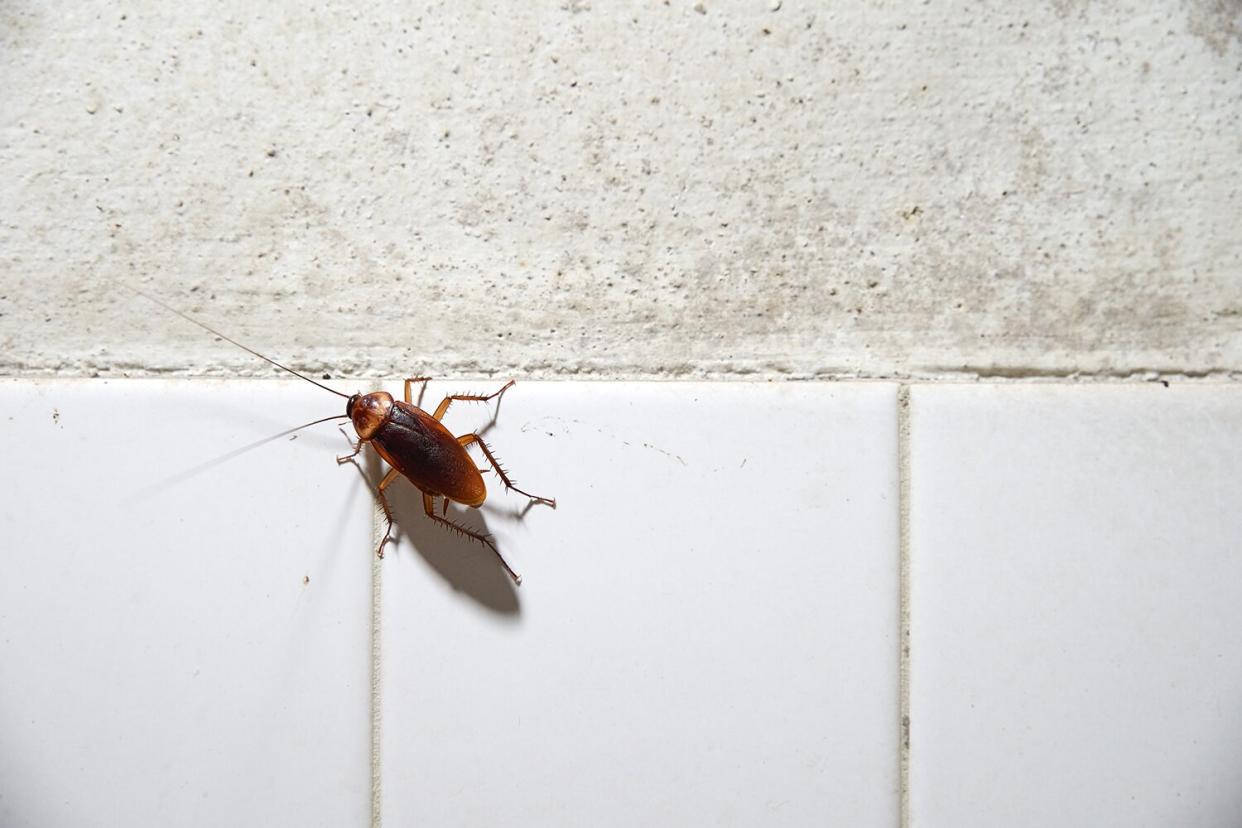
pixel 466 565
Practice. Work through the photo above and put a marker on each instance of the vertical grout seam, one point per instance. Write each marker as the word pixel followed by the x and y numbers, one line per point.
pixel 903 523
pixel 377 520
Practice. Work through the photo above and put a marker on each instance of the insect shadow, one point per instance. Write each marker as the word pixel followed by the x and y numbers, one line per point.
pixel 464 564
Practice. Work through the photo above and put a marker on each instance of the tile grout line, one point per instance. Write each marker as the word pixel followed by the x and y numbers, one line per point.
pixel 903 534
pixel 377 519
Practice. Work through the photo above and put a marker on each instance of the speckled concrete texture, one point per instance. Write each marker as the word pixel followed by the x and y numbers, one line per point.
pixel 768 188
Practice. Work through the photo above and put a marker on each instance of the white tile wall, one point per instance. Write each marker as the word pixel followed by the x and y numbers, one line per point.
pixel 707 633
pixel 163 660
pixel 1077 606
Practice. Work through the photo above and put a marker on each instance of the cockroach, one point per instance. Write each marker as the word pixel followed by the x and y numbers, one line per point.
pixel 416 445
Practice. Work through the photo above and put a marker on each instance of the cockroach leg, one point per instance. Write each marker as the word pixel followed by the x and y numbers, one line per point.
pixel 410 381
pixel 447 401
pixel 429 506
pixel 467 439
pixel 383 498
pixel 357 447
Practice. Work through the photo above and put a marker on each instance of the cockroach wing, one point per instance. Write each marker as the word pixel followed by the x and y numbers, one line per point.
pixel 421 448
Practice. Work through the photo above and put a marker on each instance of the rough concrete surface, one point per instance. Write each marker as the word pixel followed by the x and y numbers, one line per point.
pixel 768 188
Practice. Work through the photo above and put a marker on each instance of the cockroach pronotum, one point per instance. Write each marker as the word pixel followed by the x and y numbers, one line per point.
pixel 413 443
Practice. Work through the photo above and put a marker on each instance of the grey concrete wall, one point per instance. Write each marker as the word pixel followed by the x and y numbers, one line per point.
pixel 765 188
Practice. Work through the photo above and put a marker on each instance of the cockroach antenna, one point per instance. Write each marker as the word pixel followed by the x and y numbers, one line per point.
pixel 229 339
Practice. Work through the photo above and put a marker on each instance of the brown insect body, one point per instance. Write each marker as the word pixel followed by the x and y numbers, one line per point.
pixel 420 447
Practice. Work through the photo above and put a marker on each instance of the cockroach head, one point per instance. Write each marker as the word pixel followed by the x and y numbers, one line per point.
pixel 368 412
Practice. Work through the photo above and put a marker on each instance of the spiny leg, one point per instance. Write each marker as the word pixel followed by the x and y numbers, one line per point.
pixel 467 439
pixel 357 447
pixel 429 506
pixel 410 381
pixel 383 499
pixel 447 401
pixel 384 484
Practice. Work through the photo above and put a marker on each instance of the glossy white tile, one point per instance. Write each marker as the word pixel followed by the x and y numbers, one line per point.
pixel 706 634
pixel 184 635
pixel 1076 604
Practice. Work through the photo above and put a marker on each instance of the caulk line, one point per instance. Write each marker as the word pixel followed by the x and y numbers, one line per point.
pixel 377 516
pixel 903 523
